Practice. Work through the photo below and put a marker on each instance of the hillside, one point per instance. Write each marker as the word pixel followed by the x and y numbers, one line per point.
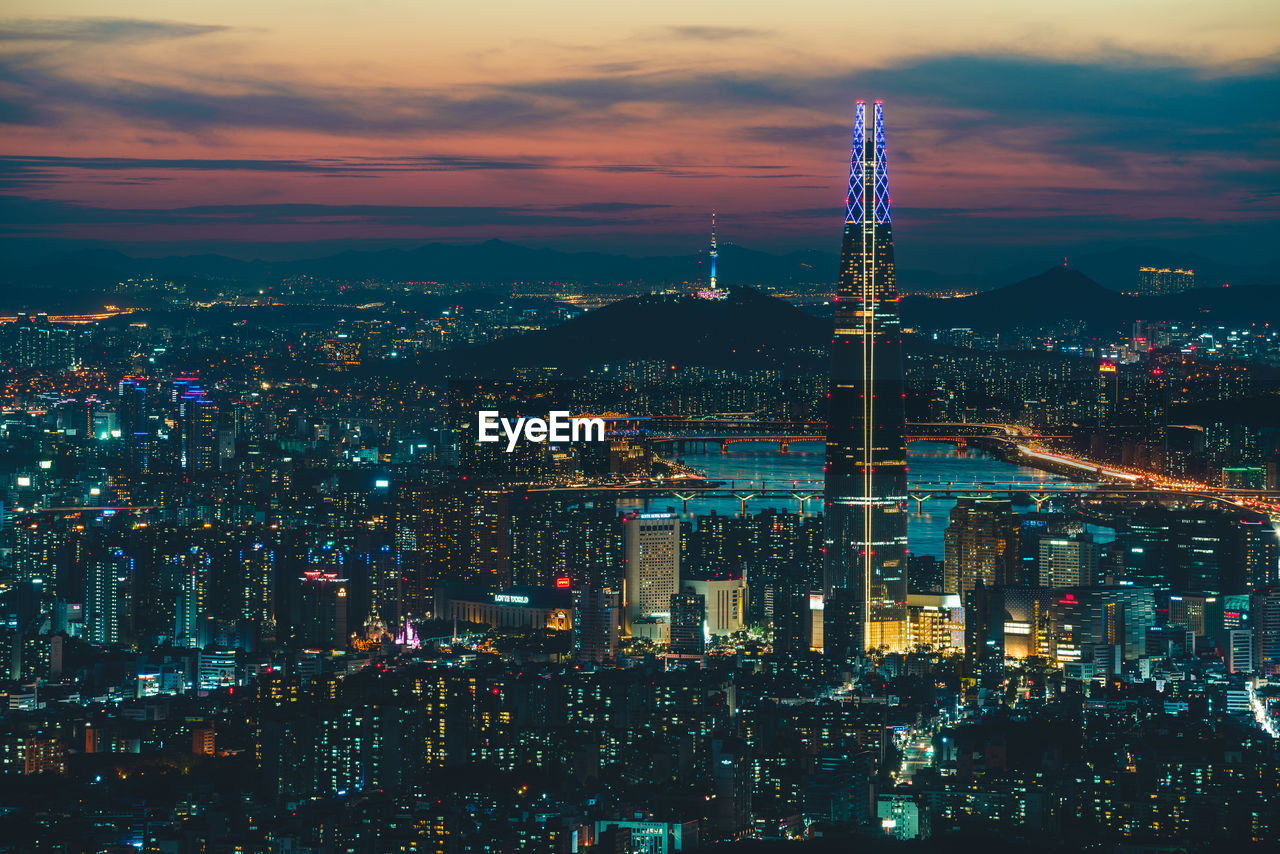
pixel 748 329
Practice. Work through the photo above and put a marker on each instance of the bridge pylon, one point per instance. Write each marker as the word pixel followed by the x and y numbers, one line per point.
pixel 1039 499
pixel 684 499
pixel 803 498
pixel 920 500
pixel 743 497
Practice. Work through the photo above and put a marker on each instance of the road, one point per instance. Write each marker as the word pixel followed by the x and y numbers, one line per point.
pixel 917 754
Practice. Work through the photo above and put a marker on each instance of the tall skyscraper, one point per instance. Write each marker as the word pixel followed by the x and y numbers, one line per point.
pixel 711 283
pixel 1264 608
pixel 135 428
pixel 865 542
pixel 192 609
pixel 197 417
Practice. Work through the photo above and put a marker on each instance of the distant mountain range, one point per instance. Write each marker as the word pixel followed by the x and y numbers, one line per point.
pixel 1068 294
pixel 499 262
pixel 491 262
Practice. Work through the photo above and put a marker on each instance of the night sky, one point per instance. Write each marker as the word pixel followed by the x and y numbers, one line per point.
pixel 275 128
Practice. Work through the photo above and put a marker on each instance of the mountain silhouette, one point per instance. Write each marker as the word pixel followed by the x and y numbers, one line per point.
pixel 747 329
pixel 1063 293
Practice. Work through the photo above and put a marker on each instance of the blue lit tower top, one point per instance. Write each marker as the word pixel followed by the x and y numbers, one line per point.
pixel 855 200
pixel 857 155
pixel 882 169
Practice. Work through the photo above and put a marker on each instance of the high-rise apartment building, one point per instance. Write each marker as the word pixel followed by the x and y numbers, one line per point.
pixel 865 562
pixel 106 595
pixel 1156 281
pixel 596 621
pixel 688 619
pixel 40 344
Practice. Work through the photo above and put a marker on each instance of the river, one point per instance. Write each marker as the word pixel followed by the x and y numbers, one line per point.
pixel 926 461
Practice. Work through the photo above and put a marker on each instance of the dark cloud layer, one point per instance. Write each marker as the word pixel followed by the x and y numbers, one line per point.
pixel 23 215
pixel 1131 103
pixel 100 30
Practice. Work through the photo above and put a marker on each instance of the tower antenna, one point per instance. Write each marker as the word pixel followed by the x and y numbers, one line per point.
pixel 712 283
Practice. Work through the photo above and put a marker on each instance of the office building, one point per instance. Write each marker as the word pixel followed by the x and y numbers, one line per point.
pixel 1264 611
pixel 981 542
pixel 1240 651
pixel 197 420
pixel 1188 611
pixel 652 546
pixel 726 601
pixel 1068 562
pixel 935 620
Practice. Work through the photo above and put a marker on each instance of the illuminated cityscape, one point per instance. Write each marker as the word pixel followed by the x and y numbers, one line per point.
pixel 964 536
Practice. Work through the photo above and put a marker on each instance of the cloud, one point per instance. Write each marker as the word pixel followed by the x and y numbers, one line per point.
pixel 101 30
pixel 19 215
pixel 712 34
pixel 39 95
pixel 20 170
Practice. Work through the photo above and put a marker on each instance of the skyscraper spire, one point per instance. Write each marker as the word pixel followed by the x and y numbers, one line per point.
pixel 712 283
pixel 865 541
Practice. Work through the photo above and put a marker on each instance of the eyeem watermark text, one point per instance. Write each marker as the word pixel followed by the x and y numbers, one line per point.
pixel 558 426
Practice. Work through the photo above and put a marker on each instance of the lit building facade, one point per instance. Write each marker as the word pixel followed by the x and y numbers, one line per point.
pixel 1155 281
pixel 935 620
pixel 653 563
pixel 980 543
pixel 726 601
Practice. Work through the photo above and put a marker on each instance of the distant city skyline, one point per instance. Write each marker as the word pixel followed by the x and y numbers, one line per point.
pixel 1020 131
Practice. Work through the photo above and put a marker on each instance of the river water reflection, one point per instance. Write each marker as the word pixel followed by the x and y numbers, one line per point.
pixel 926 461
